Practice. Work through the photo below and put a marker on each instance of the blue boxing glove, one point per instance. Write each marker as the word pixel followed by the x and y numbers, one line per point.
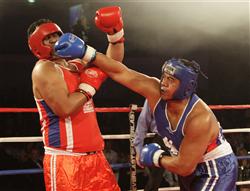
pixel 150 155
pixel 70 46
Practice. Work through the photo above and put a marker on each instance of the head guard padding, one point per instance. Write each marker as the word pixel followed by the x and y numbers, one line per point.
pixel 186 74
pixel 36 39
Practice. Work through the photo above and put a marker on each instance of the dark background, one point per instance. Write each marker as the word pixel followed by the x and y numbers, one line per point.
pixel 215 34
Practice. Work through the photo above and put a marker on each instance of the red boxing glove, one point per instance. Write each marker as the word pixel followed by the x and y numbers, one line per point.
pixel 91 80
pixel 77 63
pixel 109 20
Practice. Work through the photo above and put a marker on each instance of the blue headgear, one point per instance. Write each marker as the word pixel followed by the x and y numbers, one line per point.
pixel 186 74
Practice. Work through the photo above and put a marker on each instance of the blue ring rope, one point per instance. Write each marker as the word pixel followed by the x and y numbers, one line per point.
pixel 39 170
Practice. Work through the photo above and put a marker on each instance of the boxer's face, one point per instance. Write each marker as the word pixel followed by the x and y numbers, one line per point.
pixel 169 84
pixel 50 41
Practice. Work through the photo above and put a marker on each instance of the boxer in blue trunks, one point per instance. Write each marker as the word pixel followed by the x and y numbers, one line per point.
pixel 200 155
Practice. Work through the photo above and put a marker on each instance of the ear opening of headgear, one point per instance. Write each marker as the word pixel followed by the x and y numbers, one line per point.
pixel 185 71
pixel 36 39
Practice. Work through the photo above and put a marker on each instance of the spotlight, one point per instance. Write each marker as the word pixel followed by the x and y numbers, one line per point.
pixel 31 1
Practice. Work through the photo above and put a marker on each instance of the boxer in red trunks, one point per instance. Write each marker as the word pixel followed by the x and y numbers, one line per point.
pixel 63 92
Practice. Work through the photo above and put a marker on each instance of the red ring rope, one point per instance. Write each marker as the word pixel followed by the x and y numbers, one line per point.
pixel 119 109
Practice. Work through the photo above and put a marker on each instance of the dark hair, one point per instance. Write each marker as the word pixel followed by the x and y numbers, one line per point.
pixel 33 26
pixel 191 64
pixel 194 65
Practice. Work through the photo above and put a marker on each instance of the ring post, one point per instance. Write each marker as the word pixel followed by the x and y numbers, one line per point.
pixel 133 109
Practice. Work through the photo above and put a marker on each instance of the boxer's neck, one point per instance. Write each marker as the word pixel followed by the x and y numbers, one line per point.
pixel 63 63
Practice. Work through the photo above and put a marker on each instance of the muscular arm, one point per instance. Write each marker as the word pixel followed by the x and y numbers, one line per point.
pixel 197 137
pixel 144 85
pixel 48 84
pixel 109 20
pixel 115 51
pixel 140 83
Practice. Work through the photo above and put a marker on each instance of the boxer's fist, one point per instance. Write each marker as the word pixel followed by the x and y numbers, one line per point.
pixel 93 76
pixel 109 20
pixel 91 80
pixel 70 46
pixel 77 63
pixel 151 154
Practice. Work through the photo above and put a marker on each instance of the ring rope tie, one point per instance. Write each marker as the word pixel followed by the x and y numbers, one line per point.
pixel 131 115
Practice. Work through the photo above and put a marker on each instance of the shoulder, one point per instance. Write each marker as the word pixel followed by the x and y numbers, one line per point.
pixel 43 65
pixel 200 119
pixel 44 68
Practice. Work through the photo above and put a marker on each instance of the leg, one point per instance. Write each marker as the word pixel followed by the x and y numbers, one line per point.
pixel 217 175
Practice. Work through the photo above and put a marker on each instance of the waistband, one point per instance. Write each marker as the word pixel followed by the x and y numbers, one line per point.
pixel 52 151
pixel 222 150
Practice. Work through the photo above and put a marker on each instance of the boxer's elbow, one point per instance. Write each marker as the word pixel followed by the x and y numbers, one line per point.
pixel 177 166
pixel 62 110
pixel 186 169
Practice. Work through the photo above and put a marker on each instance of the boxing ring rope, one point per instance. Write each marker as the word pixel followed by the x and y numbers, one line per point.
pixel 108 137
pixel 118 109
pixel 131 110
